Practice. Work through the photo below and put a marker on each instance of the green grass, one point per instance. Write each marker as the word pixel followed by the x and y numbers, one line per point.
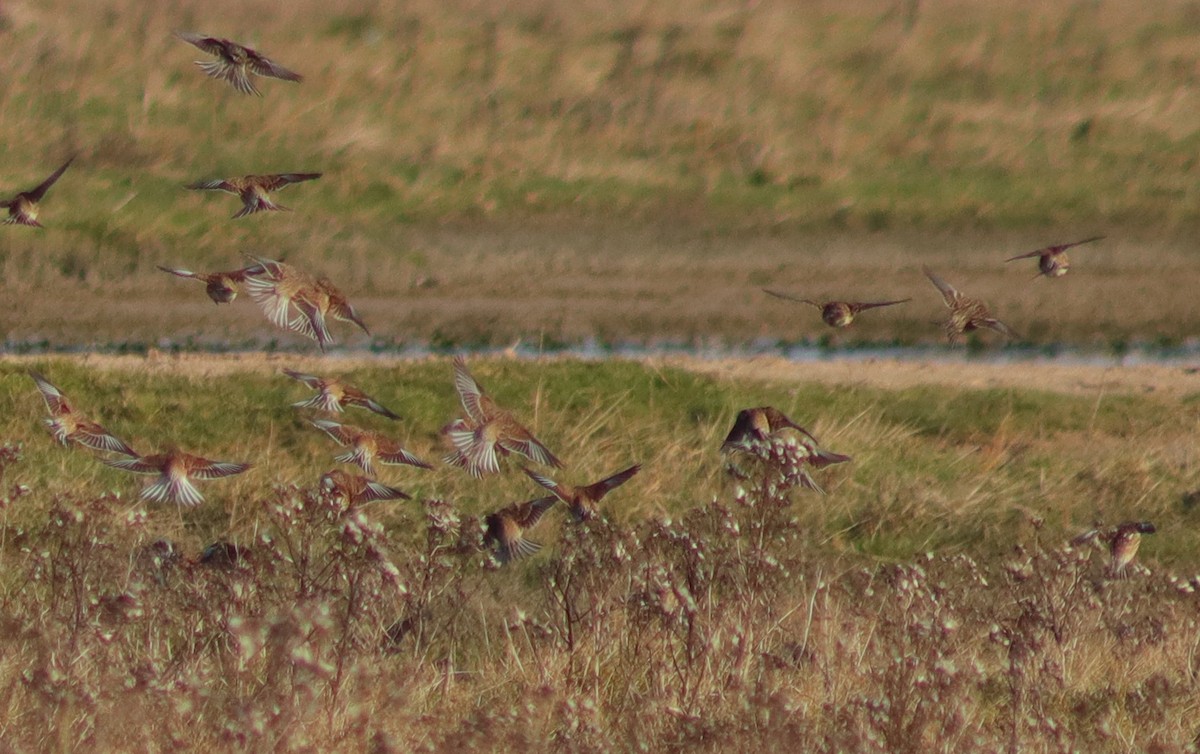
pixel 927 603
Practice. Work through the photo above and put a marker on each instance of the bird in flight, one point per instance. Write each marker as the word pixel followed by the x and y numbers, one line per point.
pixel 506 528
pixel 966 314
pixel 488 431
pixel 583 501
pixel 333 393
pixel 23 208
pixel 1052 260
pixel 366 446
pixel 254 190
pixel 176 470
pixel 234 62
pixel 221 287
pixel 837 313
pixel 67 425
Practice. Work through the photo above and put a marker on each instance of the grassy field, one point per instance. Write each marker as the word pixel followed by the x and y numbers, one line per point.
pixel 928 602
pixel 517 175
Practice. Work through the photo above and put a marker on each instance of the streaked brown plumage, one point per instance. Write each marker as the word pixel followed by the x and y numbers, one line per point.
pixel 506 528
pixel 966 314
pixel 356 489
pixel 67 425
pixel 23 208
pixel 583 501
pixel 1123 541
pixel 1052 260
pixel 754 425
pixel 254 190
pixel 279 287
pixel 175 470
pixel 221 287
pixel 837 313
pixel 488 431
pixel 366 446
pixel 235 62
pixel 333 393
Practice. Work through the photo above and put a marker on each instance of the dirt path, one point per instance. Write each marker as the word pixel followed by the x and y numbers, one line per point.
pixel 1172 381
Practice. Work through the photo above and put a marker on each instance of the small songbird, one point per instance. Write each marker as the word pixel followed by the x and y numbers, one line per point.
pixel 367 446
pixel 224 555
pixel 507 526
pixel 356 489
pixel 1052 260
pixel 757 425
pixel 488 431
pixel 67 425
pixel 583 501
pixel 176 470
pixel 1122 540
pixel 333 393
pixel 23 208
pixel 338 305
pixel 966 314
pixel 837 313
pixel 254 190
pixel 221 287
pixel 235 62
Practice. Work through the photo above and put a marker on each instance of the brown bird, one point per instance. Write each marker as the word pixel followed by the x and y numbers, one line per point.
pixel 966 314
pixel 221 287
pixel 67 425
pixel 235 62
pixel 583 501
pixel 338 305
pixel 23 208
pixel 488 431
pixel 1052 260
pixel 254 189
pixel 1122 540
pixel 366 446
pixel 225 555
pixel 175 470
pixel 278 288
pixel 507 526
pixel 757 425
pixel 333 393
pixel 837 313
pixel 355 489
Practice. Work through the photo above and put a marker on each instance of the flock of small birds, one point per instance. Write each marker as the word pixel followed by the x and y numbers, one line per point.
pixel 296 300
pixel 966 314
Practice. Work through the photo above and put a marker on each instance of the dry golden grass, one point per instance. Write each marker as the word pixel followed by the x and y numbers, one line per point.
pixel 518 170
pixel 927 603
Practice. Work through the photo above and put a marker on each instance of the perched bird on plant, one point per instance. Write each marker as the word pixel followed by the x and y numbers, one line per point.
pixel 1123 541
pixel 254 190
pixel 23 208
pixel 221 287
pixel 67 425
pixel 366 446
pixel 756 425
pixel 506 528
pixel 966 314
pixel 235 62
pixel 176 470
pixel 356 489
pixel 1052 260
pixel 333 393
pixel 583 502
pixel 759 433
pixel 837 313
pixel 488 431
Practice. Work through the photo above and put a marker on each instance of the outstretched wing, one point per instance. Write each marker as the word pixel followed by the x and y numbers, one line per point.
pixel 604 486
pixel 266 67
pixel 215 184
pixel 468 390
pixel 949 294
pixel 56 402
pixel 559 491
pixel 37 193
pixel 341 433
pixel 278 181
pixel 206 469
pixel 211 45
pixel 789 297
pixel 180 272
pixel 992 323
pixel 312 381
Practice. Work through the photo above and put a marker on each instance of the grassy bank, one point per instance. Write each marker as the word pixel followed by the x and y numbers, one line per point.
pixel 927 602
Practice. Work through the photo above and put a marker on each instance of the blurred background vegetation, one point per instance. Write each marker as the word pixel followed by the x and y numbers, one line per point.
pixel 948 124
